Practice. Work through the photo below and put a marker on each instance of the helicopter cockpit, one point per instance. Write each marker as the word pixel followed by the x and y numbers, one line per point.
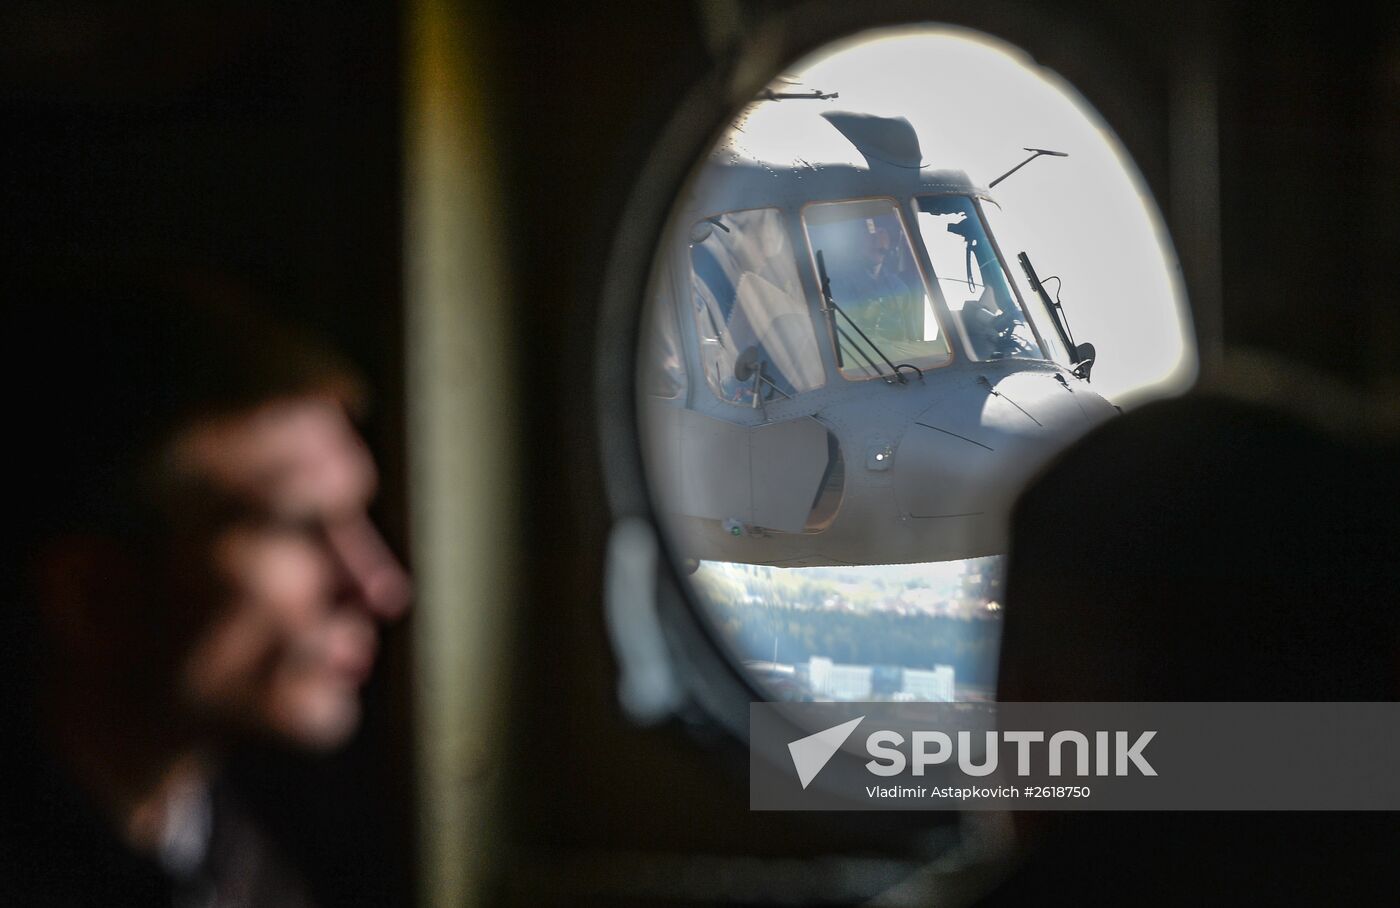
pixel 755 326
pixel 755 334
pixel 973 282
pixel 874 277
pixel 798 279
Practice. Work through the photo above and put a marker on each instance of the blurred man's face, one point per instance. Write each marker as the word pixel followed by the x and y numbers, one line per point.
pixel 300 575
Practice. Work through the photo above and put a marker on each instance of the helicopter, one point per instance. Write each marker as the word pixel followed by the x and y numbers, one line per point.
pixel 840 365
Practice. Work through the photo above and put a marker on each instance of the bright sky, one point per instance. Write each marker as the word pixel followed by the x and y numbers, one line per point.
pixel 1089 218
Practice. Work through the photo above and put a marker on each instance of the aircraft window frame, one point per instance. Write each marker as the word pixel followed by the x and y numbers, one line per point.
pixel 1008 276
pixel 703 332
pixel 934 297
pixel 705 676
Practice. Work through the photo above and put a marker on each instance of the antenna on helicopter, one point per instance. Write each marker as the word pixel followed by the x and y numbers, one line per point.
pixel 1037 153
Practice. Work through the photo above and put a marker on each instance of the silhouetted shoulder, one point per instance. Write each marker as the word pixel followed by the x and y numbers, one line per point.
pixel 1203 548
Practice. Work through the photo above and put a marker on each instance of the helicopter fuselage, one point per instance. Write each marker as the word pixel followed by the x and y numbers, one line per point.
pixel 843 367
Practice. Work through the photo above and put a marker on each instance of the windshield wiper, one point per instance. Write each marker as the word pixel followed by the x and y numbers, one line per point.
pixel 829 306
pixel 1084 353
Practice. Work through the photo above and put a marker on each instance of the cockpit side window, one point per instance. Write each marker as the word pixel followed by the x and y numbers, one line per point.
pixel 756 336
pixel 972 281
pixel 1006 230
pixel 876 281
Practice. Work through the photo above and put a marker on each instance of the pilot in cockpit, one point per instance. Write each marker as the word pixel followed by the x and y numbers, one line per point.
pixel 873 289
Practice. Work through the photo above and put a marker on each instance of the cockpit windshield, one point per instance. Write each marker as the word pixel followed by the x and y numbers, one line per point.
pixel 756 335
pixel 971 280
pixel 877 283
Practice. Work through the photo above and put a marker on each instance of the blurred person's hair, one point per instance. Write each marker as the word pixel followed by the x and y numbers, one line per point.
pixel 112 365
pixel 105 368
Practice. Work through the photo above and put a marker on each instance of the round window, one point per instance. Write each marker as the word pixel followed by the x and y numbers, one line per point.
pixel 908 272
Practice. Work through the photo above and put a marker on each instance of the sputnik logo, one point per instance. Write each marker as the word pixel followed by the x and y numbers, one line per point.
pixel 811 753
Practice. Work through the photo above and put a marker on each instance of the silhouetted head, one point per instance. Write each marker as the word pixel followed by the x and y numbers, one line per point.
pixel 194 508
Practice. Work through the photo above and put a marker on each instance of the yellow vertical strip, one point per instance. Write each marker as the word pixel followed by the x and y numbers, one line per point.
pixel 460 447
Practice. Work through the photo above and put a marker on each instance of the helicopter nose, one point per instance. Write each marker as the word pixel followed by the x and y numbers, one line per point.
pixel 977 448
